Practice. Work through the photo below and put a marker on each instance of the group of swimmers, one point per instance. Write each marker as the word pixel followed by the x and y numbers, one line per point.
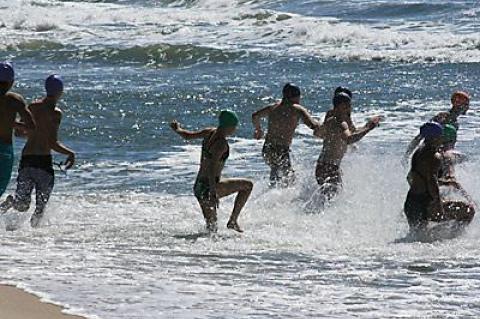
pixel 432 162
pixel 39 124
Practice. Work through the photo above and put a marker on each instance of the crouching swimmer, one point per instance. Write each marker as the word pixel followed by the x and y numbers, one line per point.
pixel 209 186
pixel 423 199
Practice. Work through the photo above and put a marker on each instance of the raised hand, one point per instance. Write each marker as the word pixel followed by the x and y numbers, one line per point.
pixel 258 134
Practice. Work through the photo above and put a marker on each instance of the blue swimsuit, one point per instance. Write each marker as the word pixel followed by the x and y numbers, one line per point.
pixel 6 165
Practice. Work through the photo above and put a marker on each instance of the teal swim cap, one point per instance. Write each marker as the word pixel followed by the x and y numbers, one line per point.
pixel 227 119
pixel 449 133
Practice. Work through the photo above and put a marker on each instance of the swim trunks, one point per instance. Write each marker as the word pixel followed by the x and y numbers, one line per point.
pixel 329 177
pixel 278 158
pixel 201 189
pixel 35 172
pixel 6 165
pixel 416 209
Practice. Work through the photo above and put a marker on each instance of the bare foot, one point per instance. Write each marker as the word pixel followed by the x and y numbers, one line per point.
pixel 234 226
pixel 212 227
pixel 6 205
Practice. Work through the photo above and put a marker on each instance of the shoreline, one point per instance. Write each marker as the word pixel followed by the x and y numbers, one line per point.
pixel 16 303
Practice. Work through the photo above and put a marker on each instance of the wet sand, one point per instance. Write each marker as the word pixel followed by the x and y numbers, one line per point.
pixel 18 304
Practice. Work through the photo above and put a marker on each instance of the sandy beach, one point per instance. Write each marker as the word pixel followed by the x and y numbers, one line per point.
pixel 18 304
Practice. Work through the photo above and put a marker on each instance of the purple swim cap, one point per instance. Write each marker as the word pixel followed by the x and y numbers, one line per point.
pixel 54 85
pixel 431 130
pixel 6 72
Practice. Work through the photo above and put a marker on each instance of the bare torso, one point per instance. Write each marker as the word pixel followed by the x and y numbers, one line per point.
pixel 282 123
pixel 208 142
pixel 334 145
pixel 9 104
pixel 40 141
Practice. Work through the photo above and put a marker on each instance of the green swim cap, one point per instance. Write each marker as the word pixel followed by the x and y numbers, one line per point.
pixel 227 119
pixel 449 133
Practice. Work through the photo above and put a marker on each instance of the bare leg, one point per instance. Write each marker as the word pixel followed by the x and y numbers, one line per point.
pixel 235 185
pixel 274 178
pixel 44 183
pixel 210 214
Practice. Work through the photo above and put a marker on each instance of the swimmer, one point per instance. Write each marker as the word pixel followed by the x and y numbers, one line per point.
pixel 36 166
pixel 209 185
pixel 460 105
pixel 11 106
pixel 283 118
pixel 423 199
pixel 337 137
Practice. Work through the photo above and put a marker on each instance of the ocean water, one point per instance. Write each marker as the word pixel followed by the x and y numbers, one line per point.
pixel 123 234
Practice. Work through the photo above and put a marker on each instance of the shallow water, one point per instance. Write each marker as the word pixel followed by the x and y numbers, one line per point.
pixel 123 237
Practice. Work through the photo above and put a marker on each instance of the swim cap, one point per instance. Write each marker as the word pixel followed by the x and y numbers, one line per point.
pixel 449 133
pixel 342 89
pixel 54 85
pixel 460 94
pixel 340 98
pixel 431 130
pixel 291 91
pixel 6 72
pixel 227 119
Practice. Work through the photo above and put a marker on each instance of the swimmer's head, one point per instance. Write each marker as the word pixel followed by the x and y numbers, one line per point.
pixel 7 77
pixel 432 132
pixel 54 86
pixel 342 101
pixel 449 133
pixel 460 102
pixel 342 89
pixel 228 121
pixel 291 93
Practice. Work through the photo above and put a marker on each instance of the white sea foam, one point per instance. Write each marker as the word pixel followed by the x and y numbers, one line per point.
pixel 234 26
pixel 143 256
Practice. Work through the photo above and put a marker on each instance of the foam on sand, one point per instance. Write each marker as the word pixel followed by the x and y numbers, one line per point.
pixel 18 304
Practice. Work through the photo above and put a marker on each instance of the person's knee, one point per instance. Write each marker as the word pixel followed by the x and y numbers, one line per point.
pixel 247 186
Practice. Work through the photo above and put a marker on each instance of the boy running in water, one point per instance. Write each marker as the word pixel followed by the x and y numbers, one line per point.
pixel 283 118
pixel 11 105
pixel 36 166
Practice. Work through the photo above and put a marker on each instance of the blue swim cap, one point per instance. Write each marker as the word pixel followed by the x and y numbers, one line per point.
pixel 6 72
pixel 431 130
pixel 227 119
pixel 54 85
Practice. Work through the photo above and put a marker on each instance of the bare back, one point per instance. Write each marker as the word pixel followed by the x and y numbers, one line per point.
pixel 41 140
pixel 425 166
pixel 282 123
pixel 10 105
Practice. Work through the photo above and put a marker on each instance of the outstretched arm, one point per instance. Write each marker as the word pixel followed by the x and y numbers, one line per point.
pixel 256 117
pixel 412 146
pixel 27 124
pixel 353 137
pixel 307 118
pixel 189 135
